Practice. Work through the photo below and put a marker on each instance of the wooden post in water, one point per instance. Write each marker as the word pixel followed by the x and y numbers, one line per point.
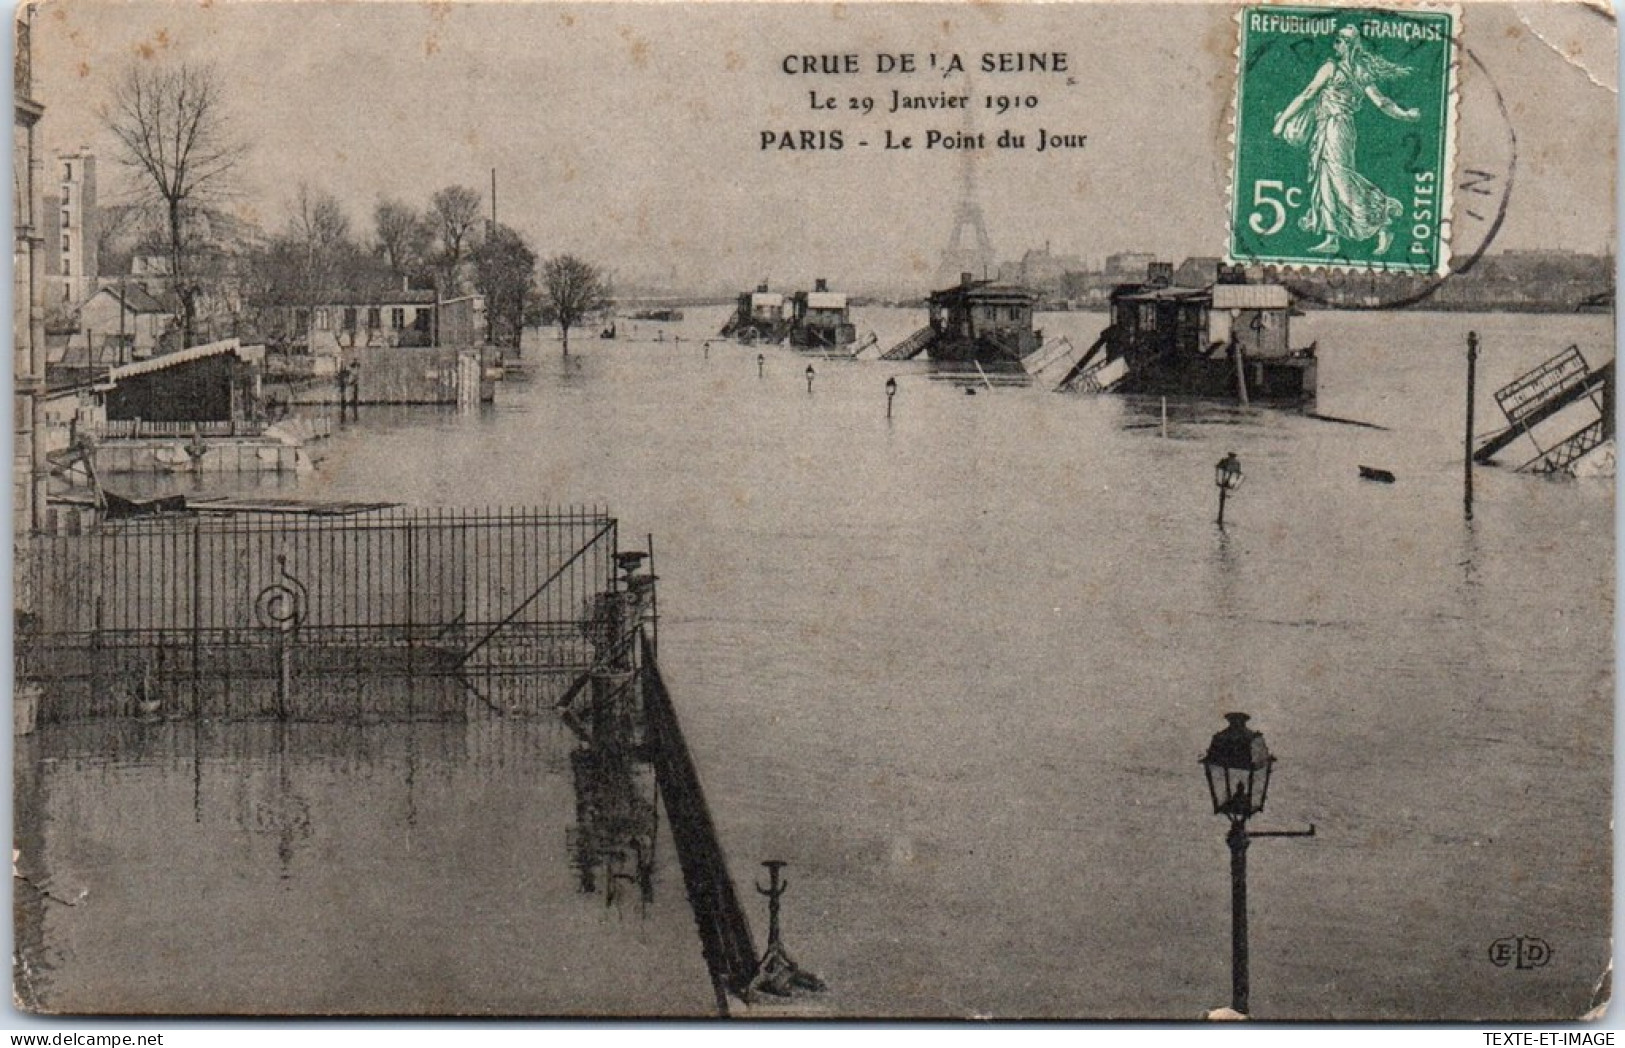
pixel 1467 437
pixel 284 676
pixel 1241 375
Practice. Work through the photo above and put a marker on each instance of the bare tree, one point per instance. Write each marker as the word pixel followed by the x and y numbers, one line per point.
pixel 118 230
pixel 455 213
pixel 174 133
pixel 404 238
pixel 321 230
pixel 575 291
pixel 505 273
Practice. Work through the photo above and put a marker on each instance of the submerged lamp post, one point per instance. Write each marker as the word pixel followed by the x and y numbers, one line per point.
pixel 810 374
pixel 1238 767
pixel 760 361
pixel 1227 475
pixel 891 391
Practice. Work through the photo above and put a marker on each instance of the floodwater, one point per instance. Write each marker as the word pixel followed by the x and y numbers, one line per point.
pixel 956 668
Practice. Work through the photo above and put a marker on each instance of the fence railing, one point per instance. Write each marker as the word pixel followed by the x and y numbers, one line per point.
pixel 1524 395
pixel 318 426
pixel 214 616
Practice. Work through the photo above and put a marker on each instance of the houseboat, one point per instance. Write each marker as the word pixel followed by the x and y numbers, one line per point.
pixel 821 319
pixel 760 316
pixel 978 321
pixel 1229 340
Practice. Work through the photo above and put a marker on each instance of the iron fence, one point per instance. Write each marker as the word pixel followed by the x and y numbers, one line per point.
pixel 395 612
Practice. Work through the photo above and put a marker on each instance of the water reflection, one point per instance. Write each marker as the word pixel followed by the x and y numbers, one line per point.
pixel 280 811
pixel 612 844
pixel 318 867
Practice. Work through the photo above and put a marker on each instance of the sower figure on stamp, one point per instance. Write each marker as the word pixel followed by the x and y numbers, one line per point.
pixel 1343 202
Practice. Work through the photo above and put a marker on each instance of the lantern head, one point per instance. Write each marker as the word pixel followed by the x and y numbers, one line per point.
pixel 1238 770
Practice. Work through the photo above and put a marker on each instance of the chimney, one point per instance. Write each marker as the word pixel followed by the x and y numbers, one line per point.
pixel 762 287
pixel 820 284
pixel 966 279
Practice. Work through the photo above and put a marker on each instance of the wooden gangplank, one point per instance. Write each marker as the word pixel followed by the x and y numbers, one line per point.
pixel 912 346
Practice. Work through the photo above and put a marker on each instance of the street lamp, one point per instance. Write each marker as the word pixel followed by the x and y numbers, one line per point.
pixel 1238 766
pixel 760 361
pixel 1227 475
pixel 891 391
pixel 810 374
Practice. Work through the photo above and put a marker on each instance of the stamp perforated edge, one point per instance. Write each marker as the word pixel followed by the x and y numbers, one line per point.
pixel 1452 106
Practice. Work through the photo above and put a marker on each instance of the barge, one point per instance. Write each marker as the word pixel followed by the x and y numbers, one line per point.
pixel 976 321
pixel 759 316
pixel 821 319
pixel 1229 340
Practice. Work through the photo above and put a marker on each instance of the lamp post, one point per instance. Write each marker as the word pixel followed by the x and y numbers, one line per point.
pixel 810 374
pixel 891 391
pixel 1238 767
pixel 760 362
pixel 1227 475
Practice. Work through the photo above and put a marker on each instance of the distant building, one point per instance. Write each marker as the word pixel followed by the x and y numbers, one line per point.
pixel 1129 265
pixel 380 319
pixel 461 322
pixel 1197 271
pixel 72 228
pixel 220 244
pixel 1040 268
pixel 123 317
pixel 76 366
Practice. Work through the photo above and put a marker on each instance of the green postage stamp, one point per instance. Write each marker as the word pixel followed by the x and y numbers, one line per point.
pixel 1343 141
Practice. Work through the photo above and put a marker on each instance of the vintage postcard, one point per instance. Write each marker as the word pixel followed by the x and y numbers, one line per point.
pixel 1068 511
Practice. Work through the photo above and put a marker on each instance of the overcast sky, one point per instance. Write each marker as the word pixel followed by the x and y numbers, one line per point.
pixel 632 133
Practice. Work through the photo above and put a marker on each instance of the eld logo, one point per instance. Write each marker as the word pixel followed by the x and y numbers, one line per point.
pixel 1523 951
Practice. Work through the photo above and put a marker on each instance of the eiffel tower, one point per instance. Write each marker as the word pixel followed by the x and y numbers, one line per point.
pixel 977 259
